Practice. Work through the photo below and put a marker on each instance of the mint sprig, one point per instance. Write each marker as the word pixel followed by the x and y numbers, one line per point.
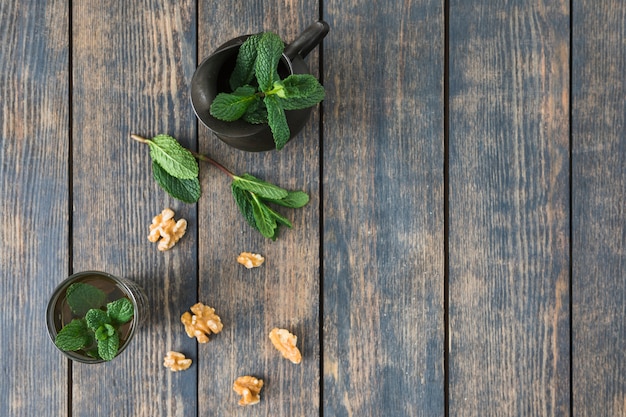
pixel 175 159
pixel 82 297
pixel 259 95
pixel 97 326
pixel 252 195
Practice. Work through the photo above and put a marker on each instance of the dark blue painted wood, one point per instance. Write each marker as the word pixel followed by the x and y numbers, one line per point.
pixel 509 209
pixel 34 150
pixel 598 216
pixel 285 290
pixel 130 67
pixel 383 226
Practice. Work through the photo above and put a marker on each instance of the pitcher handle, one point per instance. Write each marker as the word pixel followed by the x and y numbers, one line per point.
pixel 307 40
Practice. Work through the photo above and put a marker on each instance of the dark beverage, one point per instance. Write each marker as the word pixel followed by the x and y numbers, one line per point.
pixel 113 288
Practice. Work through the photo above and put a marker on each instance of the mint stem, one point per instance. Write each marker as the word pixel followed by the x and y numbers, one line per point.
pixel 198 156
pixel 212 162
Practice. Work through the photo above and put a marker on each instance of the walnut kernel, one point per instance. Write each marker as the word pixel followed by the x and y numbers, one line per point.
pixel 176 361
pixel 202 323
pixel 250 260
pixel 165 228
pixel 285 342
pixel 249 388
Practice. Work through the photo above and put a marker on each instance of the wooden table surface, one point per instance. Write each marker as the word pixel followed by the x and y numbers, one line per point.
pixel 463 252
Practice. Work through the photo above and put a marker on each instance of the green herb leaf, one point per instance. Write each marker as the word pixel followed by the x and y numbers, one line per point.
pixel 107 348
pixel 96 318
pixel 295 199
pixel 73 336
pixel 244 67
pixel 279 218
pixel 120 311
pixel 101 334
pixel 231 106
pixel 277 120
pixel 172 157
pixel 187 191
pixel 82 297
pixel 269 50
pixel 104 332
pixel 265 221
pixel 300 91
pixel 243 199
pixel 259 187
pixel 256 113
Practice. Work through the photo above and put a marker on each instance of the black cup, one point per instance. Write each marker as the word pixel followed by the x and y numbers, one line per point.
pixel 211 78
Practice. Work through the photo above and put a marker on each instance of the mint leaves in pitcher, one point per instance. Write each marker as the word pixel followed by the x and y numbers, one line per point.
pixel 259 95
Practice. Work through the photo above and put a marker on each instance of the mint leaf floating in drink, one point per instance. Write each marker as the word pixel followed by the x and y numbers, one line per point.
pixel 81 297
pixel 73 336
pixel 97 330
pixel 120 311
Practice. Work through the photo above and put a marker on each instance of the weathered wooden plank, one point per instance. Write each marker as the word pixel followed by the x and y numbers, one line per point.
pixel 131 65
pixel 284 291
pixel 598 216
pixel 34 189
pixel 508 209
pixel 383 209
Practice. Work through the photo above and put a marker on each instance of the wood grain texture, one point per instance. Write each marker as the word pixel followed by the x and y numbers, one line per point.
pixel 508 209
pixel 131 65
pixel 383 209
pixel 598 217
pixel 33 185
pixel 284 291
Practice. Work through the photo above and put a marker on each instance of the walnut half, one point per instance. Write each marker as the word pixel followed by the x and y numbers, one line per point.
pixel 285 342
pixel 202 323
pixel 249 388
pixel 176 361
pixel 165 228
pixel 250 260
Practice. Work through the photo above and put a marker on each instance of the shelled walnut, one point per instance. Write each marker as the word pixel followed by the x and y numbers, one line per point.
pixel 250 260
pixel 285 342
pixel 164 227
pixel 176 361
pixel 249 388
pixel 202 323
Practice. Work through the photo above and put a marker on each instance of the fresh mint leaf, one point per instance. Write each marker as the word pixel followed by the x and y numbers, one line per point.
pixel 295 199
pixel 231 106
pixel 187 191
pixel 269 51
pixel 300 91
pixel 173 158
pixel 244 67
pixel 265 221
pixel 120 311
pixel 243 199
pixel 279 218
pixel 82 297
pixel 96 318
pixel 107 348
pixel 256 113
pixel 259 187
pixel 73 336
pixel 104 332
pixel 277 120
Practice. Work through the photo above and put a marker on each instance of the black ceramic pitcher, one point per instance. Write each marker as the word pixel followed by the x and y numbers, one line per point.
pixel 211 78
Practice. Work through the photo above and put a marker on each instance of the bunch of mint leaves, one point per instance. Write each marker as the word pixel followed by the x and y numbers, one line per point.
pixel 258 94
pixel 175 169
pixel 97 330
